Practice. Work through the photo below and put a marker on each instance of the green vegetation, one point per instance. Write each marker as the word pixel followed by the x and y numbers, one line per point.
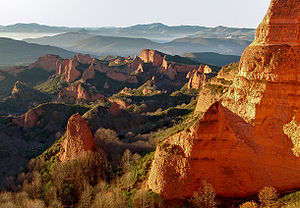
pixel 290 200
pixel 216 89
pixel 33 76
pixel 180 60
pixel 53 85
pixel 231 67
pixel 113 86
pixel 121 64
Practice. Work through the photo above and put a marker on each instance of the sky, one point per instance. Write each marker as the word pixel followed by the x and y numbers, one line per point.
pixel 99 13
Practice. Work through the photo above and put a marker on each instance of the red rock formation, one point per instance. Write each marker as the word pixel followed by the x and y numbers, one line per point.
pixel 139 70
pixel 19 86
pixel 122 77
pixel 196 81
pixel 89 73
pixel 78 139
pixel 114 109
pixel 136 65
pixel 68 69
pixel 152 56
pixel 100 66
pixel 48 63
pixel 250 139
pixel 207 70
pixel 77 93
pixel 171 69
pixel 29 119
pixel 84 59
pixel 228 72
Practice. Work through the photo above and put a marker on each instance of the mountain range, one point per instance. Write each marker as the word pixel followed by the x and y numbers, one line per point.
pixel 15 52
pixel 154 31
pixel 117 41
pixel 86 42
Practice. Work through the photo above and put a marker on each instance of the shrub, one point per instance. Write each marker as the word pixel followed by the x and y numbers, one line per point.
pixel 251 204
pixel 109 141
pixel 34 187
pixel 109 198
pixel 87 196
pixel 70 177
pixel 268 197
pixel 145 199
pixel 205 197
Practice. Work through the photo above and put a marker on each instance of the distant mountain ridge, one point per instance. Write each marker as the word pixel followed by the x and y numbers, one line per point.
pixel 154 31
pixel 212 58
pixel 85 42
pixel 14 52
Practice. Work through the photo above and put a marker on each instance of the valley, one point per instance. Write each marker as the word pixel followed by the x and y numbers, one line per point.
pixel 151 115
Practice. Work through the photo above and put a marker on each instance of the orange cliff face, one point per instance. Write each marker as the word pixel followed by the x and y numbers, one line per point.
pixel 78 139
pixel 152 56
pixel 48 63
pixel 250 139
pixel 196 80
pixel 84 59
pixel 78 92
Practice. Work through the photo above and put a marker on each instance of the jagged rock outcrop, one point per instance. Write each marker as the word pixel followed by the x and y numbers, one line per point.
pixel 171 69
pixel 29 119
pixel 121 77
pixel 18 87
pixel 250 138
pixel 78 92
pixel 89 73
pixel 68 69
pixel 152 56
pixel 84 59
pixel 100 66
pixel 136 65
pixel 79 138
pixel 207 70
pixel 48 63
pixel 114 109
pixel 196 81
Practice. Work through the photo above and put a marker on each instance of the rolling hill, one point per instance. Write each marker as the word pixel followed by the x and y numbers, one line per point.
pixel 14 52
pixel 155 31
pixel 83 41
pixel 212 58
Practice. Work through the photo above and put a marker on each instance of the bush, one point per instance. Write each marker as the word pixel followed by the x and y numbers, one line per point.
pixel 87 196
pixel 268 197
pixel 109 141
pixel 146 199
pixel 71 177
pixel 205 197
pixel 251 204
pixel 109 198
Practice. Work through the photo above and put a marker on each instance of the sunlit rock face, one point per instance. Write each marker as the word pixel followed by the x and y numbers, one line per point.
pixel 152 56
pixel 250 138
pixel 78 92
pixel 47 62
pixel 78 139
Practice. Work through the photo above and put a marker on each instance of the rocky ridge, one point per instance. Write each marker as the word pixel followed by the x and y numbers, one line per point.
pixel 249 139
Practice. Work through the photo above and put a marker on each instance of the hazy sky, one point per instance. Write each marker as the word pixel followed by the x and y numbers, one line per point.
pixel 97 13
